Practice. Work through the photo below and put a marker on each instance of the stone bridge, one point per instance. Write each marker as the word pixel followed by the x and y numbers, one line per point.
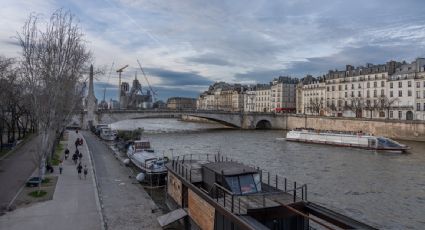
pixel 235 119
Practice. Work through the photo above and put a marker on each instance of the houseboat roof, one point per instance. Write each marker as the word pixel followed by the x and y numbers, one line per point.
pixel 228 168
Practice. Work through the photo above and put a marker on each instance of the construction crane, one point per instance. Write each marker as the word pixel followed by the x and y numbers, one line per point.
pixel 109 76
pixel 119 71
pixel 147 81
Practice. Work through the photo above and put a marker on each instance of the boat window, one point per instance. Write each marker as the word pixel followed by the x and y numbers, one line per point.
pixel 257 182
pixel 247 184
pixel 383 142
pixel 233 183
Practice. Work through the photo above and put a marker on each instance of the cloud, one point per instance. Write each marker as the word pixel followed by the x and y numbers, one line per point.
pixel 194 43
pixel 169 77
pixel 209 59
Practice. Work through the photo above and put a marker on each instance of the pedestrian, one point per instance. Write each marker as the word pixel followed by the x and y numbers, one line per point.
pixel 80 156
pixel 77 142
pixel 85 171
pixel 60 167
pixel 79 169
pixel 75 158
pixel 66 153
pixel 81 141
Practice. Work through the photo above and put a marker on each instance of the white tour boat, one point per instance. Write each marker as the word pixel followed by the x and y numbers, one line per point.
pixel 357 140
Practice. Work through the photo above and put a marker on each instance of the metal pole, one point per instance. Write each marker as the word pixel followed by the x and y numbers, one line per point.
pixel 268 178
pixel 233 202
pixel 295 191
pixel 276 182
pixel 305 191
pixel 285 184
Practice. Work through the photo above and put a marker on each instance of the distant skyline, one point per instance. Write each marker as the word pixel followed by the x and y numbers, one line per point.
pixel 185 46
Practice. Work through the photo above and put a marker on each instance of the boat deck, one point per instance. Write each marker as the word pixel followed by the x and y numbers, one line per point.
pixel 191 170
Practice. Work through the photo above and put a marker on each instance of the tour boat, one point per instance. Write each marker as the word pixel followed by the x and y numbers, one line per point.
pixel 214 192
pixel 357 140
pixel 108 134
pixel 142 156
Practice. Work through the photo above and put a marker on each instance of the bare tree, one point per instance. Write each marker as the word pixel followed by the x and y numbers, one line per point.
pixel 53 61
pixel 356 105
pixel 315 105
pixel 386 104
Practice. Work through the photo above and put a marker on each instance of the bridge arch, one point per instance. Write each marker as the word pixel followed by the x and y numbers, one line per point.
pixel 263 124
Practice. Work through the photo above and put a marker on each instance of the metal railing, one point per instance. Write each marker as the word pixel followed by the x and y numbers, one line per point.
pixel 271 184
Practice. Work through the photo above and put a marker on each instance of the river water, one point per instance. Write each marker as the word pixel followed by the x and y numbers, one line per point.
pixel 385 190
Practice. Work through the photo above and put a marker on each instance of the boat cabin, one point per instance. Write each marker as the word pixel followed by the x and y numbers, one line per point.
pixel 142 145
pixel 237 178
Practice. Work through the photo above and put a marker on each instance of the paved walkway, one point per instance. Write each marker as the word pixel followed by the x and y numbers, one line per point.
pixel 19 165
pixel 74 205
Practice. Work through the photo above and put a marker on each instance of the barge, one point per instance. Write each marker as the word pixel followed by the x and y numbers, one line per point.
pixel 215 192
pixel 152 166
pixel 348 139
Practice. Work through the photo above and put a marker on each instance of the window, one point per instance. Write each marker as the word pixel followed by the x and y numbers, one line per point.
pixel 418 94
pixel 360 86
pixel 374 93
pixel 352 93
pixel 339 87
pixel 359 94
pixel 391 85
pixel 418 85
pixel 368 85
pixel 375 84
pixel 400 93
pixel 346 94
pixel 327 88
pixel 247 184
pixel 409 83
pixel 400 114
pixel 400 84
pixel 352 86
pixel 409 93
pixel 418 106
pixel 391 114
pixel 333 88
pixel 367 94
pixel 382 92
pixel 382 83
pixel 346 87
pixel 391 93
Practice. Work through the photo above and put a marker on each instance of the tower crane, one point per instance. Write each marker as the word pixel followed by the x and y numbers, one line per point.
pixel 147 81
pixel 119 71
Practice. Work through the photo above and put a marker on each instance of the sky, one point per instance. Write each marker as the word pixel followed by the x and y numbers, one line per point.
pixel 184 46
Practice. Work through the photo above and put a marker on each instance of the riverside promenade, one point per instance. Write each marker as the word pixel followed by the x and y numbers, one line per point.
pixel 75 204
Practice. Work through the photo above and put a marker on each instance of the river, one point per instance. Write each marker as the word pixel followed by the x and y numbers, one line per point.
pixel 385 190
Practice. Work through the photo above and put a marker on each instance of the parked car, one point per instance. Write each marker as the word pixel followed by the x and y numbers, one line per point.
pixel 33 181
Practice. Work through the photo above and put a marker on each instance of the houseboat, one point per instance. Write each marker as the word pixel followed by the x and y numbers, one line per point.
pixel 349 139
pixel 215 192
pixel 143 157
pixel 108 134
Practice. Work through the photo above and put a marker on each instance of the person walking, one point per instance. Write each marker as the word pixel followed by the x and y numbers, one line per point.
pixel 75 158
pixel 77 142
pixel 85 172
pixel 80 156
pixel 66 153
pixel 79 170
pixel 60 167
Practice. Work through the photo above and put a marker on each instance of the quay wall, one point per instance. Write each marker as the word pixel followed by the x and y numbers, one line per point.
pixel 402 130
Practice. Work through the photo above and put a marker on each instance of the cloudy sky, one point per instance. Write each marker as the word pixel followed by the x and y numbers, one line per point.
pixel 186 45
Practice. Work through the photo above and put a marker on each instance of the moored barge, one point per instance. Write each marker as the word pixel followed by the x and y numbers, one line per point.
pixel 215 192
pixel 347 139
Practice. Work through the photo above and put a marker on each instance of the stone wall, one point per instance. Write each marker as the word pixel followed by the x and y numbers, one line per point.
pixel 403 130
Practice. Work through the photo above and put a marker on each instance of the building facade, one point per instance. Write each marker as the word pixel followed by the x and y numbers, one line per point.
pixel 181 103
pixel 283 94
pixel 388 91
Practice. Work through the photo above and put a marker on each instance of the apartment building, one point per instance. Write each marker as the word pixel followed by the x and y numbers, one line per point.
pixel 262 98
pixel 283 94
pixel 311 96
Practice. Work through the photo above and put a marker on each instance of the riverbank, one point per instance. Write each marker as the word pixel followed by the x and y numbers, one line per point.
pixel 125 204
